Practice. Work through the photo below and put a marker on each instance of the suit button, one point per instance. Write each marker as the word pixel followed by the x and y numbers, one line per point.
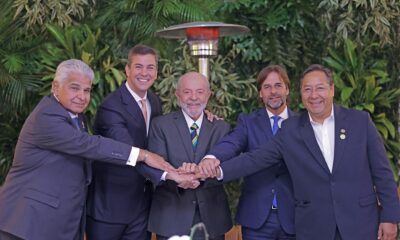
pixel 194 202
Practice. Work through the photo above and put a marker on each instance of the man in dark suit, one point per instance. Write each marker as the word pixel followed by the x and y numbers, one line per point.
pixel 343 184
pixel 44 193
pixel 119 198
pixel 266 205
pixel 184 137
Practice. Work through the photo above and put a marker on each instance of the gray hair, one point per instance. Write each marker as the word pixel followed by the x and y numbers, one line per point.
pixel 65 68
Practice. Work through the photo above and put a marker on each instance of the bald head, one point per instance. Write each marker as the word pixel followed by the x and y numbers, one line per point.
pixel 193 92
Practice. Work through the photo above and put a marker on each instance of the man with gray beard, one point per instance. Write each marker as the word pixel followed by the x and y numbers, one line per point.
pixel 184 137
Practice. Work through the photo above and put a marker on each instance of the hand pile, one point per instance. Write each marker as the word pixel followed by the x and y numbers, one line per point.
pixel 189 175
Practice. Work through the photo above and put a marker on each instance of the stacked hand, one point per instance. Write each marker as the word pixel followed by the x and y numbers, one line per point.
pixel 155 161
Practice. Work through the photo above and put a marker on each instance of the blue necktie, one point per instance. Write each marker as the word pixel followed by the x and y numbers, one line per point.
pixel 75 121
pixel 275 125
pixel 193 135
pixel 275 128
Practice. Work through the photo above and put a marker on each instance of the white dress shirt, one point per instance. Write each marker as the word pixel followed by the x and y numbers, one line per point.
pixel 325 135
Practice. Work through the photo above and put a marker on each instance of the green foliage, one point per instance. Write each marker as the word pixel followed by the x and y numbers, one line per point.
pixel 36 14
pixel 361 84
pixel 82 43
pixel 133 21
pixel 365 21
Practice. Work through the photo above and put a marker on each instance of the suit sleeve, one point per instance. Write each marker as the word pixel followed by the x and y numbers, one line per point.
pixel 111 124
pixel 382 176
pixel 251 162
pixel 54 131
pixel 233 143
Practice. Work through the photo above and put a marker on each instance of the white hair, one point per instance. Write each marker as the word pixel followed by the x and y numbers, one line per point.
pixel 65 68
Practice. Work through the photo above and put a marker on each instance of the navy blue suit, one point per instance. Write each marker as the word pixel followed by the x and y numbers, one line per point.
pixel 251 131
pixel 346 198
pixel 117 194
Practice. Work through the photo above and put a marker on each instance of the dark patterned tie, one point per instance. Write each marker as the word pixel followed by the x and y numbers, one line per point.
pixel 76 123
pixel 193 135
pixel 275 128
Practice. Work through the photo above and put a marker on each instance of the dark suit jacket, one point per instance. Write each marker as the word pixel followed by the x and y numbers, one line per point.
pixel 344 198
pixel 253 130
pixel 43 196
pixel 173 208
pixel 118 194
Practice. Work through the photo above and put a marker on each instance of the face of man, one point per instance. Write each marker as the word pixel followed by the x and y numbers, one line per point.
pixel 193 94
pixel 317 95
pixel 74 93
pixel 142 73
pixel 274 93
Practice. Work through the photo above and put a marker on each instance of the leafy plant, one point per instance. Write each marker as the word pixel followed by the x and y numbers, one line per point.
pixel 82 43
pixel 360 83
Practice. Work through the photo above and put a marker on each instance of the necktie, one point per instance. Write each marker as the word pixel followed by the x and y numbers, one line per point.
pixel 275 125
pixel 275 128
pixel 75 121
pixel 193 135
pixel 144 109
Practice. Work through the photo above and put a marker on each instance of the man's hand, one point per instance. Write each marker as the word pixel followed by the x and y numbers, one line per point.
pixel 209 167
pixel 155 161
pixel 187 168
pixel 387 231
pixel 184 181
pixel 211 116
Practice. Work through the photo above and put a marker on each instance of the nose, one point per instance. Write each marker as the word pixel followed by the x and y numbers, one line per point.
pixel 193 96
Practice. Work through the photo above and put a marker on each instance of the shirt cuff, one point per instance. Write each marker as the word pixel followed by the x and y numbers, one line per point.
pixel 221 177
pixel 164 176
pixel 209 156
pixel 133 156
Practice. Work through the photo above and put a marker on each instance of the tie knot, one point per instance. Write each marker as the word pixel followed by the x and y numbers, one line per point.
pixel 276 118
pixel 194 127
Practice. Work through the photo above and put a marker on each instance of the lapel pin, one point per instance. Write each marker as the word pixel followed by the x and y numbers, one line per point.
pixel 342 134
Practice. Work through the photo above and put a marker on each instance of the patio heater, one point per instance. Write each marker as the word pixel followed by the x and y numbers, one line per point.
pixel 202 38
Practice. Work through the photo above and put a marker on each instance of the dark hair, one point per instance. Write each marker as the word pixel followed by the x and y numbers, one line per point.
pixel 281 71
pixel 141 50
pixel 318 67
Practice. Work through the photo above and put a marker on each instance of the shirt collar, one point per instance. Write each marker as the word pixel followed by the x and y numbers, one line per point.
pixel 134 95
pixel 331 117
pixel 284 114
pixel 190 121
pixel 72 115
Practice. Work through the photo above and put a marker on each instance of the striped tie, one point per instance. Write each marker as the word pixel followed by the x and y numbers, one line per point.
pixel 193 135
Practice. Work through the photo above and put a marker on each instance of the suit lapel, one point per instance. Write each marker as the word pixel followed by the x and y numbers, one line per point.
pixel 263 120
pixel 309 139
pixel 184 134
pixel 131 106
pixel 341 127
pixel 204 137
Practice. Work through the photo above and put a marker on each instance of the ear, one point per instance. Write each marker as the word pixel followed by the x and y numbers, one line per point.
pixel 55 87
pixel 127 69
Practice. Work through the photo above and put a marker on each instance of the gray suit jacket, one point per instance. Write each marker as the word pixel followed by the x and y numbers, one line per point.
pixel 173 208
pixel 43 196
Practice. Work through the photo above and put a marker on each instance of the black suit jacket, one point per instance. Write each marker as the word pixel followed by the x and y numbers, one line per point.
pixel 118 194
